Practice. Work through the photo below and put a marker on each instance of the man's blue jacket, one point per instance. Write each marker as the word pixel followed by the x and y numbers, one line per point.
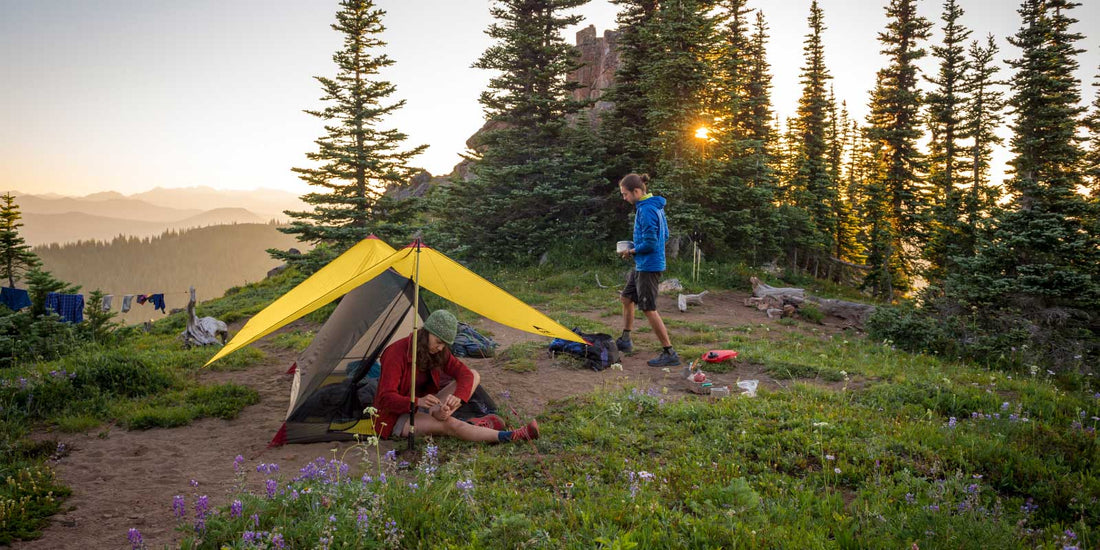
pixel 650 234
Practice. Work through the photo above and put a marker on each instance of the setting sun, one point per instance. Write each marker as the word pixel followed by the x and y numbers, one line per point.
pixel 702 132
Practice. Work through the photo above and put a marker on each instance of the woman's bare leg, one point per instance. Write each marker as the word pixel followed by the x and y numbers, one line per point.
pixel 426 424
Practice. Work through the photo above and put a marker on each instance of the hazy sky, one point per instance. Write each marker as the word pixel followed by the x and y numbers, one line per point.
pixel 128 95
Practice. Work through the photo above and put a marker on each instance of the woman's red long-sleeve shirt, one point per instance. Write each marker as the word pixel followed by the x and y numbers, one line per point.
pixel 392 398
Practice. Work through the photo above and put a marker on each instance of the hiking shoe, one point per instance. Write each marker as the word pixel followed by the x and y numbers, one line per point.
pixel 624 344
pixel 665 359
pixel 490 421
pixel 530 432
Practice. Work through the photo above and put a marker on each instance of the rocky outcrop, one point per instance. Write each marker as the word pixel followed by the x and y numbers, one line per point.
pixel 600 56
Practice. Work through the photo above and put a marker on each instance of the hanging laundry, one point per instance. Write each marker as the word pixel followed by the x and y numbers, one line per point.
pixel 107 299
pixel 158 302
pixel 15 298
pixel 126 302
pixel 69 306
pixel 141 298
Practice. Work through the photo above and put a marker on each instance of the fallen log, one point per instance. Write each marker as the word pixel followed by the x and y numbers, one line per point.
pixel 853 312
pixel 787 302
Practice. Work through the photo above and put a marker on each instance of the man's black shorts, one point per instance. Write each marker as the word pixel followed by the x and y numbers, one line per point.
pixel 641 288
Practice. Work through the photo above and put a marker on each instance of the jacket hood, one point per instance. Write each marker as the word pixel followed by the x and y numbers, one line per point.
pixel 652 202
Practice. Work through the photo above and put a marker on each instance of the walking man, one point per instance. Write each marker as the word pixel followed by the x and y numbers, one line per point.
pixel 650 234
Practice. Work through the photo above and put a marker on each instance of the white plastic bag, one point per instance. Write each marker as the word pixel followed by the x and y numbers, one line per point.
pixel 749 386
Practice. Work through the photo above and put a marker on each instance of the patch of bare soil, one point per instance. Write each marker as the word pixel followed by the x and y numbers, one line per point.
pixel 122 479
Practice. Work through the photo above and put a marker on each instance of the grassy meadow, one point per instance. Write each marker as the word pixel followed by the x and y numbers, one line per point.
pixel 861 445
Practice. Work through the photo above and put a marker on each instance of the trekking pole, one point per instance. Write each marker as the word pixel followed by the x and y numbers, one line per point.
pixel 416 315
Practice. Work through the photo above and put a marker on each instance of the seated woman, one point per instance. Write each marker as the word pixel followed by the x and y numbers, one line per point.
pixel 435 404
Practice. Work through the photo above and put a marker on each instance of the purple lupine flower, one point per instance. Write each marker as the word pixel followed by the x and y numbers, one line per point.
pixel 367 479
pixel 391 455
pixel 332 518
pixel 909 498
pixel 1070 534
pixel 277 541
pixel 202 506
pixel 255 520
pixel 136 541
pixel 272 485
pixel 932 507
pixel 508 395
pixel 951 422
pixel 972 488
pixel 830 457
pixel 179 508
pixel 1029 506
pixel 236 509
pixel 250 537
pixel 464 486
pixel 362 519
pixel 237 462
pixel 432 452
pixel 1004 406
pixel 194 483
pixel 413 486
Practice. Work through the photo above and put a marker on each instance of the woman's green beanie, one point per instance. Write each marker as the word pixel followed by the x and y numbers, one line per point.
pixel 443 325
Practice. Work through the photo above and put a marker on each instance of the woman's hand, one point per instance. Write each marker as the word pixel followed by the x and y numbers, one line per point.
pixel 430 401
pixel 452 403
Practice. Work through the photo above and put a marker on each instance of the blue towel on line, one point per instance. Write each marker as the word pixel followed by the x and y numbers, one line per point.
pixel 158 302
pixel 69 306
pixel 15 298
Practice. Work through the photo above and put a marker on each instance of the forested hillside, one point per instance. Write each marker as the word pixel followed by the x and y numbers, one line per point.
pixel 210 258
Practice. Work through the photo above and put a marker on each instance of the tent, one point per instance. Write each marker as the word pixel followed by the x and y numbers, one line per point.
pixel 381 286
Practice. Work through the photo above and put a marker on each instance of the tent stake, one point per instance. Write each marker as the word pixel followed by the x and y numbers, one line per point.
pixel 416 315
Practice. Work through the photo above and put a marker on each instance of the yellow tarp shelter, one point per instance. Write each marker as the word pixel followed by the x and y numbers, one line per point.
pixel 371 257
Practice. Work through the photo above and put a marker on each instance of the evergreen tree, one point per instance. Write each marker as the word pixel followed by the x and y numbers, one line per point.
pixel 1043 256
pixel 846 240
pixel 1092 153
pixel 813 186
pixel 760 233
pixel 356 159
pixel 15 254
pixel 895 127
pixel 946 109
pixel 852 234
pixel 983 116
pixel 624 129
pixel 537 186
pixel 99 323
pixel 733 150
pixel 676 82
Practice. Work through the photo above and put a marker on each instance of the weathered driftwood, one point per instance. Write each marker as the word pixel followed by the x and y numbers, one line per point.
pixel 683 300
pixel 761 290
pixel 787 302
pixel 204 331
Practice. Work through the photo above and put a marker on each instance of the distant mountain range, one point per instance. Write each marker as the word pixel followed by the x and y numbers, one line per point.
pixel 51 218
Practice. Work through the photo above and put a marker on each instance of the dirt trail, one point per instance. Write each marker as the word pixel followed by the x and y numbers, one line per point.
pixel 122 479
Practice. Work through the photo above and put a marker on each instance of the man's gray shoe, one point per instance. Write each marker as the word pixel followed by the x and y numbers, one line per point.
pixel 665 359
pixel 624 344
